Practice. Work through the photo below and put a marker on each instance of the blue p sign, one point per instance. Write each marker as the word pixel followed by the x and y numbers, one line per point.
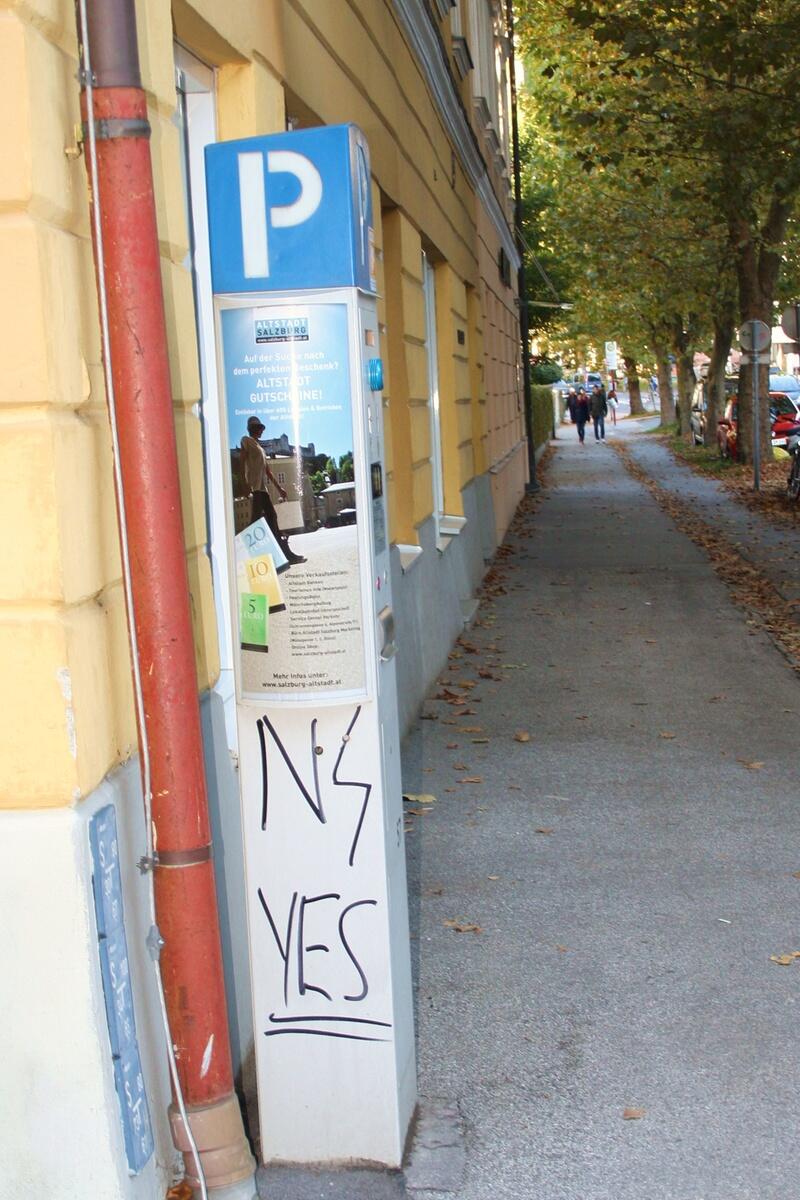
pixel 290 211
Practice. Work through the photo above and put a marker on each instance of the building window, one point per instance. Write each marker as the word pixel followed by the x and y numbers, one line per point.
pixel 461 55
pixel 196 119
pixel 490 77
pixel 429 287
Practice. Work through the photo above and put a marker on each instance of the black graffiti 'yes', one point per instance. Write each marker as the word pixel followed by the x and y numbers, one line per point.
pixel 293 949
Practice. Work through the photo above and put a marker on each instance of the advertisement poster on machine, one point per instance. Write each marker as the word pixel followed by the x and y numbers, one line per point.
pixel 290 437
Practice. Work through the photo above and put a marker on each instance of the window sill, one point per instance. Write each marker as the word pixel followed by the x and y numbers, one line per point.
pixel 409 556
pixel 451 526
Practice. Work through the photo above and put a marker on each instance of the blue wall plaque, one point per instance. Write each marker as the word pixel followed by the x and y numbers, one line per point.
pixel 115 971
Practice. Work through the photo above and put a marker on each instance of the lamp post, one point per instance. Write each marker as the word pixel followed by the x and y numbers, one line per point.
pixel 524 325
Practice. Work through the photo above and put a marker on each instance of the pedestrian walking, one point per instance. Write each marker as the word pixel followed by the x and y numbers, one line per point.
pixel 611 399
pixel 599 407
pixel 572 401
pixel 581 413
pixel 654 390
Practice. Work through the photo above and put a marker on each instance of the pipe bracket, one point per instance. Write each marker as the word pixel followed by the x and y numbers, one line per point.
pixel 185 858
pixel 109 128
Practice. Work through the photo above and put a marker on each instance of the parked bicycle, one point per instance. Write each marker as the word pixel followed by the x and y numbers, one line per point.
pixel 793 482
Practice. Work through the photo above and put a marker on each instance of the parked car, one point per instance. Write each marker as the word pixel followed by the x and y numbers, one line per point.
pixel 788 384
pixel 783 413
pixel 697 418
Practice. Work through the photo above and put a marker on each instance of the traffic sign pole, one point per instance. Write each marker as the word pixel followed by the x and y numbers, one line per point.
pixel 756 415
pixel 754 337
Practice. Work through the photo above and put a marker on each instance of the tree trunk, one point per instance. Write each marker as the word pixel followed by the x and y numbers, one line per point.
pixel 634 387
pixel 686 384
pixel 724 326
pixel 684 360
pixel 758 261
pixel 666 399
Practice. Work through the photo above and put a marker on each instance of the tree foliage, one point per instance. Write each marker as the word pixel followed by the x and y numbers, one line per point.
pixel 678 116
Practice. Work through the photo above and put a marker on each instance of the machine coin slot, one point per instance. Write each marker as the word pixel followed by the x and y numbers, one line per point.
pixel 386 625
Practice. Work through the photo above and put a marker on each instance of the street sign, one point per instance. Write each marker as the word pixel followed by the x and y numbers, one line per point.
pixel 611 356
pixel 790 322
pixel 755 335
pixel 761 360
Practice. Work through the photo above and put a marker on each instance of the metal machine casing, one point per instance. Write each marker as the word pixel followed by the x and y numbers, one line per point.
pixel 298 352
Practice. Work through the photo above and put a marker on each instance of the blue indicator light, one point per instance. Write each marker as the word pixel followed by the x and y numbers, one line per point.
pixel 375 374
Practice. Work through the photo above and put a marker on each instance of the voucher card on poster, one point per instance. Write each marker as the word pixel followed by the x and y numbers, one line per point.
pixel 289 414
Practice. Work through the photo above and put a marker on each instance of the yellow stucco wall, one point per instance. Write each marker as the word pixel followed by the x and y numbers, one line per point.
pixel 63 640
pixel 63 637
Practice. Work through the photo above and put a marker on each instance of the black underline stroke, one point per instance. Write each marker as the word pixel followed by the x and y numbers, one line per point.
pixel 350 1020
pixel 348 1037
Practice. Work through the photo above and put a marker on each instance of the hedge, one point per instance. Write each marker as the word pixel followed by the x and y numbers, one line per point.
pixel 542 413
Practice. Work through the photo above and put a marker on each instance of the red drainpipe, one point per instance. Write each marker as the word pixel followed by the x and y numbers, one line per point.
pixel 185 897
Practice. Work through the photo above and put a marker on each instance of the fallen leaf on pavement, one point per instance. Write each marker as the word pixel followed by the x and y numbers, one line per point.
pixel 751 764
pixel 544 830
pixel 421 798
pixel 667 735
pixel 522 736
pixel 434 891
pixel 492 876
pixel 452 746
pixel 471 729
pixel 633 1114
pixel 562 949
pixel 463 927
pixel 181 1191
pixel 471 779
pixel 480 741
pixel 796 874
pixel 784 960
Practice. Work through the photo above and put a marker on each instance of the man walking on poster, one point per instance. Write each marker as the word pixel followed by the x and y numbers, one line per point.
pixel 255 467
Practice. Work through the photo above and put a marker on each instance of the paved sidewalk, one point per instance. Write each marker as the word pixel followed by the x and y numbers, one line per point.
pixel 630 876
pixel 774 548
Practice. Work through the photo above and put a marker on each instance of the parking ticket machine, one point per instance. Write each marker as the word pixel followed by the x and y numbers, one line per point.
pixel 292 262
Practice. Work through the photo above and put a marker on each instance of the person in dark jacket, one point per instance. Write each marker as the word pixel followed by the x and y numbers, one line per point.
pixel 572 400
pixel 581 413
pixel 599 406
